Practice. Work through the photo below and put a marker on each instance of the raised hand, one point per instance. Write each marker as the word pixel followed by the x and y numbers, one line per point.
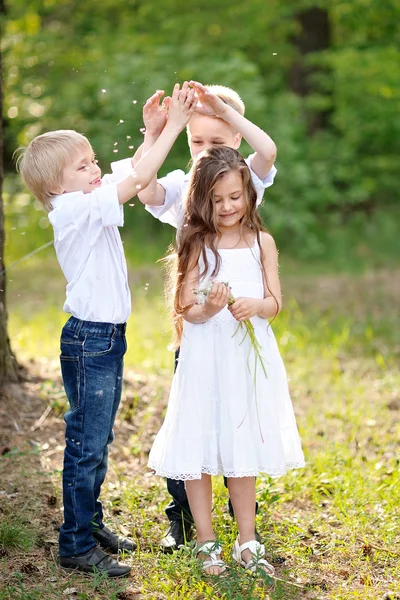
pixel 245 308
pixel 208 103
pixel 181 105
pixel 155 114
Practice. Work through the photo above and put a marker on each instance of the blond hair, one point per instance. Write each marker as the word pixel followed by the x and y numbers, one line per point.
pixel 42 163
pixel 228 96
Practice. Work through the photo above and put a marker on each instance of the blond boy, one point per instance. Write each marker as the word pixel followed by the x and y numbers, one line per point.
pixel 85 210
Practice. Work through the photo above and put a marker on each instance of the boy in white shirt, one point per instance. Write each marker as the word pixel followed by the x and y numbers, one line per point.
pixel 218 120
pixel 60 169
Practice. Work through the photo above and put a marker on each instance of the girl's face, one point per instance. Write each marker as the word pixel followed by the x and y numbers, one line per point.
pixel 229 201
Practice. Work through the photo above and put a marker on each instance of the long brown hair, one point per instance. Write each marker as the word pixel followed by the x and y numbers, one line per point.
pixel 199 230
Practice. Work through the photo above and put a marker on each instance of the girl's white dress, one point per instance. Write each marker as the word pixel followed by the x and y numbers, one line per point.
pixel 224 416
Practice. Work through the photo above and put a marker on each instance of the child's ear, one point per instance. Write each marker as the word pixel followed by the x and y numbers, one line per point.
pixel 237 140
pixel 57 191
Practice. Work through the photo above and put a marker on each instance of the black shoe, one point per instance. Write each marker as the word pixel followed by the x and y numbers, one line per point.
pixel 95 561
pixel 177 535
pixel 112 542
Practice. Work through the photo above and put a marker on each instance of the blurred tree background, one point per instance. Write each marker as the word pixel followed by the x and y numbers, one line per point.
pixel 322 78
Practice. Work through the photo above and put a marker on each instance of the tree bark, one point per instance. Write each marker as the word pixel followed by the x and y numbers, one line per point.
pixel 8 363
pixel 314 36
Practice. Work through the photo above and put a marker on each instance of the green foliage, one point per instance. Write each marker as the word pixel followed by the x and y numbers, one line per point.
pixel 330 528
pixel 68 66
pixel 16 533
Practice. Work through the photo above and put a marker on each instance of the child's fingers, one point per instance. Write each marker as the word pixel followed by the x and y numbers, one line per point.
pixel 167 101
pixel 191 99
pixel 176 91
pixel 219 293
pixel 193 83
pixel 155 97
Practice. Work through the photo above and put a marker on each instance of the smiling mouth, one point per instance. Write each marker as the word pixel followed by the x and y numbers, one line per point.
pixel 228 216
pixel 95 181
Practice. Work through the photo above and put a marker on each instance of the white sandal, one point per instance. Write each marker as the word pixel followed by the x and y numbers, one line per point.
pixel 211 549
pixel 256 561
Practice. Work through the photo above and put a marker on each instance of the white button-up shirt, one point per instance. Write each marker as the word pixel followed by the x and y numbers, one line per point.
pixel 90 251
pixel 175 185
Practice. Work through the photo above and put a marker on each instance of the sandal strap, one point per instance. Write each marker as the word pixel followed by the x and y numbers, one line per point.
pixel 254 547
pixel 210 548
pixel 213 563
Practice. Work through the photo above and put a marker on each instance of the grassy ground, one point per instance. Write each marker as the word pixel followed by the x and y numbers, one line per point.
pixel 331 529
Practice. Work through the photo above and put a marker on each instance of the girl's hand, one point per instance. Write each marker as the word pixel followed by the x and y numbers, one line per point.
pixel 181 105
pixel 245 308
pixel 216 299
pixel 155 114
pixel 210 104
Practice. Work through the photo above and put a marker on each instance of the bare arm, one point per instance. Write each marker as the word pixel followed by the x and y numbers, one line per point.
pixel 264 146
pixel 180 111
pixel 273 289
pixel 154 118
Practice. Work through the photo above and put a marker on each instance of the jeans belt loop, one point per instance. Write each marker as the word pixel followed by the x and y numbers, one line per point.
pixel 78 329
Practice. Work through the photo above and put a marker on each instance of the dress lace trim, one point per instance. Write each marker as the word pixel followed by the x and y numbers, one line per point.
pixel 220 471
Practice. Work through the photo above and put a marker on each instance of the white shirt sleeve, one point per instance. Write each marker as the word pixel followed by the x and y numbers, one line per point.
pixel 87 214
pixel 120 170
pixel 171 211
pixel 261 184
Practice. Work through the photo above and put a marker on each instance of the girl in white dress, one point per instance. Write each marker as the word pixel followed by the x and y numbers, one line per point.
pixel 229 411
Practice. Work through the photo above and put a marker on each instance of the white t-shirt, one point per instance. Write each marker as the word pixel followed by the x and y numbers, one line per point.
pixel 90 252
pixel 176 183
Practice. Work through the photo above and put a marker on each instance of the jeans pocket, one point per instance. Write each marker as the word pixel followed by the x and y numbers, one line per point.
pixel 98 345
pixel 70 370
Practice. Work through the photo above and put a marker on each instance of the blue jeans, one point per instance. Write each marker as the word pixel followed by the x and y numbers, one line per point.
pixel 92 366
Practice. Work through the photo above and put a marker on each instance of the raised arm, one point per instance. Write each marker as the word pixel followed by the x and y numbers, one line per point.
pixel 154 119
pixel 181 108
pixel 262 144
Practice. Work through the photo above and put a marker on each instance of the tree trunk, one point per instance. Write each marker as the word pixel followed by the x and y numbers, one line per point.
pixel 8 363
pixel 314 36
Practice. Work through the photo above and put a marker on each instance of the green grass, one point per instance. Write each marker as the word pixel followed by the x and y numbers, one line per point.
pixel 16 533
pixel 335 522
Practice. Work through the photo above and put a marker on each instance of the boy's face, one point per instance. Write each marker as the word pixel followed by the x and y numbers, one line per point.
pixel 82 174
pixel 204 132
